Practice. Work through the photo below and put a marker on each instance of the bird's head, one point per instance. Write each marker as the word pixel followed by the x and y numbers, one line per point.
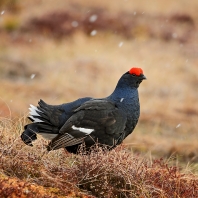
pixel 133 77
pixel 137 72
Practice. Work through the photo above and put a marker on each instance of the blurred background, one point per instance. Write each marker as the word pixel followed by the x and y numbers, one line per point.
pixel 63 50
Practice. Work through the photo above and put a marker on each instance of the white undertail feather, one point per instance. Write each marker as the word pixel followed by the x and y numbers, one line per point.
pixel 33 112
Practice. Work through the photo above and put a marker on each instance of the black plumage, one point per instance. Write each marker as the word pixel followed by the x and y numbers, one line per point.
pixel 106 121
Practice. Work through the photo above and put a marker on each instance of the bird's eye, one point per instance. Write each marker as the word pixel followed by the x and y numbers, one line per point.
pixel 133 75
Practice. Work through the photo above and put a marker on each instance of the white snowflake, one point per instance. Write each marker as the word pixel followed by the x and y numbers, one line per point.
pixel 174 35
pixel 32 76
pixel 74 23
pixel 178 125
pixel 93 18
pixel 93 32
pixel 120 44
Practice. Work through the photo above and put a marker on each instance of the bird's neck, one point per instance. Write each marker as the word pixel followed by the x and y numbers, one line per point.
pixel 123 93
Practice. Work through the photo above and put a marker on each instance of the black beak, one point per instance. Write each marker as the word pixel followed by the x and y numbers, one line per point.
pixel 143 77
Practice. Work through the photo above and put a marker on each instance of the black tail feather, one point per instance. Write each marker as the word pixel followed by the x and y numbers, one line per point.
pixel 50 114
pixel 47 128
pixel 45 120
pixel 44 107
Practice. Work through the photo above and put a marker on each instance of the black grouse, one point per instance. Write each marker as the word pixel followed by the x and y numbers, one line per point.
pixel 106 121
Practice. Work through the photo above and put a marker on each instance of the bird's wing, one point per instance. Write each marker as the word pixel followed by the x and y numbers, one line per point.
pixel 92 117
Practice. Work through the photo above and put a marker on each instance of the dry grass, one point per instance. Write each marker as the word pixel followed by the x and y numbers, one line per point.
pixel 118 173
pixel 27 172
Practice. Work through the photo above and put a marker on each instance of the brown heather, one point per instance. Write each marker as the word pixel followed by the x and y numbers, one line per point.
pixel 32 172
